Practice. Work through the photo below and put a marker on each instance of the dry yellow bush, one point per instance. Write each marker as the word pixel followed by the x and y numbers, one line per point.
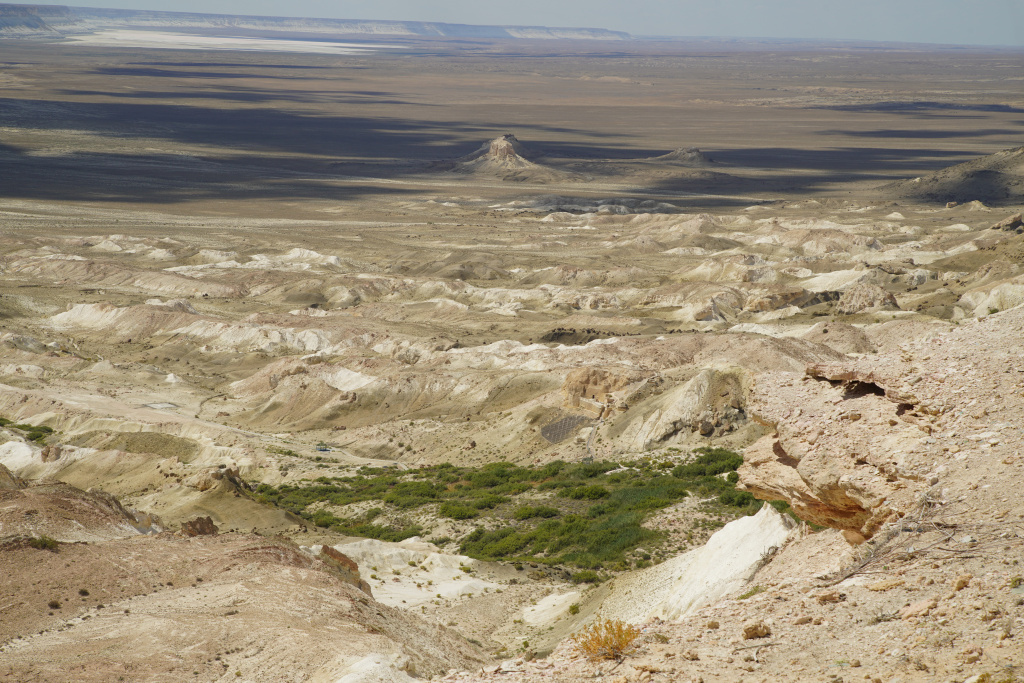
pixel 606 639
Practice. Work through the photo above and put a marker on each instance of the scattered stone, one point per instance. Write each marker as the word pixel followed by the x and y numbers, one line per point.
pixel 887 584
pixel 830 597
pixel 756 629
pixel 919 609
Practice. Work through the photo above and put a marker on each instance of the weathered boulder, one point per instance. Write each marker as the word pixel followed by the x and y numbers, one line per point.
pixel 200 526
pixel 756 629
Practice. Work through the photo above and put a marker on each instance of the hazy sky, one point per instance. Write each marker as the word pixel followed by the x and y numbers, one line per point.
pixel 971 22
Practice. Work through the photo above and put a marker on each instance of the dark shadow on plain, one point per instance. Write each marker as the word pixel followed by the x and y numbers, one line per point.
pixel 162 178
pixel 883 161
pixel 246 65
pixel 149 72
pixel 918 106
pixel 908 134
pixel 245 95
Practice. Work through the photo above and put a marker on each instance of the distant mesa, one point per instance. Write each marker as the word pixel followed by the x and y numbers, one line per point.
pixel 994 179
pixel 31 20
pixel 686 156
pixel 48 20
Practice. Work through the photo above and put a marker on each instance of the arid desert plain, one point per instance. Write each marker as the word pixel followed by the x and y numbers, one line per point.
pixel 413 357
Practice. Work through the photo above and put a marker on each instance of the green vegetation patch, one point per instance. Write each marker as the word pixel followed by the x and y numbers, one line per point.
pixel 37 433
pixel 592 517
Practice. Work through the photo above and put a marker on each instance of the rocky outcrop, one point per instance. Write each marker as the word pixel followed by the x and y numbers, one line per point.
pixel 214 477
pixel 710 403
pixel 596 384
pixel 858 443
pixel 1014 223
pixel 865 297
pixel 9 480
pixel 200 526
pixel 838 455
pixel 345 567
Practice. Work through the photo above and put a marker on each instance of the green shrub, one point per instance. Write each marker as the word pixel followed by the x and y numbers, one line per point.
pixel 585 576
pixel 324 518
pixel 43 543
pixel 602 535
pixel 710 462
pixel 489 501
pixel 529 512
pixel 592 492
pixel 457 511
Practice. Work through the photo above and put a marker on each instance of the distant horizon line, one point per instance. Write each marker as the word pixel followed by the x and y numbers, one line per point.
pixel 625 34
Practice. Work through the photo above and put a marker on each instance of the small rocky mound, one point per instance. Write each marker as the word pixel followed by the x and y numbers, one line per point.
pixel 686 156
pixel 842 337
pixel 996 178
pixel 864 297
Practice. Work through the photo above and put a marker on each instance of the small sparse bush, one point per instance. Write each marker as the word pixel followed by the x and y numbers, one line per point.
pixel 43 543
pixel 751 593
pixel 606 639
pixel 83 592
pixel 53 604
pixel 574 608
